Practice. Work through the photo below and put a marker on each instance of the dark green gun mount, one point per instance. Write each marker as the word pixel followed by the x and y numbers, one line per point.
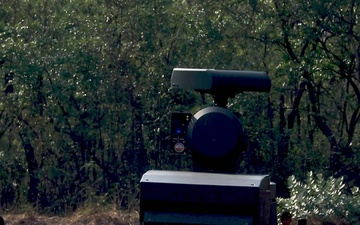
pixel 212 193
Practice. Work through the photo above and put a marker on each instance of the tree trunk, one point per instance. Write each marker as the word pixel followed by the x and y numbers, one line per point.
pixel 335 160
pixel 283 148
pixel 32 166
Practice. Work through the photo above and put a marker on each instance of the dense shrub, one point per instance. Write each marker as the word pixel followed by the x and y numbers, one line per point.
pixel 323 198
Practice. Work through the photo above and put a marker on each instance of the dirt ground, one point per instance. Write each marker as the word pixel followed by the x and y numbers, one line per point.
pixel 113 217
pixel 101 218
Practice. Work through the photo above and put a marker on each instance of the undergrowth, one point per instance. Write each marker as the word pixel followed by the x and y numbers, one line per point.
pixel 322 198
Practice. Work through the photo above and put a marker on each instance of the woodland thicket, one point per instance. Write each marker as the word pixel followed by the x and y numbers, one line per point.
pixel 85 101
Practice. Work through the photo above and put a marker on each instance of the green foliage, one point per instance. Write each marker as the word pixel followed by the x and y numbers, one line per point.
pixel 91 92
pixel 321 197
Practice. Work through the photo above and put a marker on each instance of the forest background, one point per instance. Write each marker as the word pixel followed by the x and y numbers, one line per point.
pixel 85 102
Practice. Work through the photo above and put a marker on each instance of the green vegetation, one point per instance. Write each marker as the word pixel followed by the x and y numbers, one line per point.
pixel 84 99
pixel 323 198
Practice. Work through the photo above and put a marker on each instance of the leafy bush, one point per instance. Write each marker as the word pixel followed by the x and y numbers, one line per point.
pixel 321 197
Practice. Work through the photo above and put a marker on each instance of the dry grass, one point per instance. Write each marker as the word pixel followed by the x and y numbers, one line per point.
pixel 84 216
pixel 107 216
